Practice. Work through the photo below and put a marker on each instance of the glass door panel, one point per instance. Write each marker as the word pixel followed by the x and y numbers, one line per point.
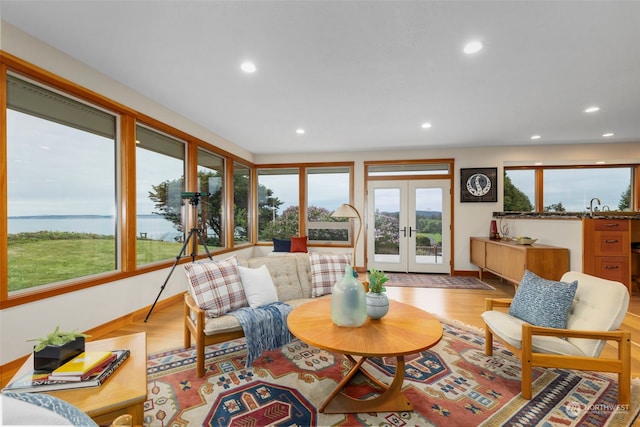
pixel 411 223
pixel 386 205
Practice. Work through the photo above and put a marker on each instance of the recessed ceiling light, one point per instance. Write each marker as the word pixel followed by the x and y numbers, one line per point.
pixel 426 125
pixel 248 67
pixel 538 164
pixel 592 109
pixel 607 135
pixel 601 162
pixel 472 47
pixel 300 131
pixel 536 137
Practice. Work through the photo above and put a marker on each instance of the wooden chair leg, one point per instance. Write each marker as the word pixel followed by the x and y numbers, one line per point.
pixel 488 341
pixel 200 356
pixel 526 362
pixel 624 377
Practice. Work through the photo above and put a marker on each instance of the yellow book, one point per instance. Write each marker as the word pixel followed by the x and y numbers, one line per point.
pixel 82 363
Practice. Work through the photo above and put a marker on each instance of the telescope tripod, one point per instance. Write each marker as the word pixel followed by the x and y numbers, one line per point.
pixel 194 237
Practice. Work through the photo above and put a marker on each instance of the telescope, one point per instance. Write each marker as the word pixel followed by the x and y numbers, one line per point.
pixel 191 195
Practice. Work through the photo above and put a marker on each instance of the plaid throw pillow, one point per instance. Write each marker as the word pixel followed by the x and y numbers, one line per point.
pixel 216 286
pixel 326 270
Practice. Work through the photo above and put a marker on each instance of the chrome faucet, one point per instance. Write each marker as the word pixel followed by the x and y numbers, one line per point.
pixel 591 205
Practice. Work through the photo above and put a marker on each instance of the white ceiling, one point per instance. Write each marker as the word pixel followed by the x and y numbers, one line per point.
pixel 364 75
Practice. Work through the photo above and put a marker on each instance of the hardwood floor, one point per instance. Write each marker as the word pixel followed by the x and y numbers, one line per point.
pixel 165 327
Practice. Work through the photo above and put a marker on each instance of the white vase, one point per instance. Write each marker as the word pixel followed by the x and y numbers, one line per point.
pixel 348 303
pixel 377 305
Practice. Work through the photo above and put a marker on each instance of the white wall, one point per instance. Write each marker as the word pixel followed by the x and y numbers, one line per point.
pixel 89 308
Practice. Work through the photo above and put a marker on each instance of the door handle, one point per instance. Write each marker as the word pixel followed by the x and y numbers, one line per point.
pixel 410 231
pixel 404 231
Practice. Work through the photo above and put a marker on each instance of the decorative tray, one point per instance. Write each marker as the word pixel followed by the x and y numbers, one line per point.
pixel 524 240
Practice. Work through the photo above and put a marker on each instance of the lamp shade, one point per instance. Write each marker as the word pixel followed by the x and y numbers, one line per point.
pixel 346 211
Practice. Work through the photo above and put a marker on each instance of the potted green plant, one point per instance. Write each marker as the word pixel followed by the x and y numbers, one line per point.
pixel 377 300
pixel 56 349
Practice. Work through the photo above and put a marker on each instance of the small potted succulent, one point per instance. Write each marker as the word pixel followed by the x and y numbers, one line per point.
pixel 377 300
pixel 56 349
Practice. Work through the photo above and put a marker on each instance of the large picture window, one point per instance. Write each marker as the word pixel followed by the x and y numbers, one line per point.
pixel 211 208
pixel 241 204
pixel 61 181
pixel 327 189
pixel 519 190
pixel 567 189
pixel 278 203
pixel 571 190
pixel 159 186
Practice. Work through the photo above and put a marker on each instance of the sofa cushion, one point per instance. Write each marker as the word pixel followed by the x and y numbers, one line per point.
pixel 216 286
pixel 258 286
pixel 326 270
pixel 543 302
pixel 281 245
pixel 304 273
pixel 221 325
pixel 299 244
pixel 284 273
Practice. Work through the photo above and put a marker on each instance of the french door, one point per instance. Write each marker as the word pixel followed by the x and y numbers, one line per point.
pixel 409 226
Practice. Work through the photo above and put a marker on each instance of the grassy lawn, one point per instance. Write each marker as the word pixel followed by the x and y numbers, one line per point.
pixel 41 258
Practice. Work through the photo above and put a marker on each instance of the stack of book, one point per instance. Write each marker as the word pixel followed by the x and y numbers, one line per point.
pixel 89 369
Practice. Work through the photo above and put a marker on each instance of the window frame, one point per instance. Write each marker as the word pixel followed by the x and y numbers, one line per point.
pixel 125 177
pixel 302 198
pixel 539 180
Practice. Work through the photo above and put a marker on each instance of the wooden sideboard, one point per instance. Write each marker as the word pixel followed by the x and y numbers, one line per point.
pixel 509 260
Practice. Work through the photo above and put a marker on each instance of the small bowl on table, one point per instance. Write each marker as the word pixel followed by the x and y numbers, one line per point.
pixel 524 240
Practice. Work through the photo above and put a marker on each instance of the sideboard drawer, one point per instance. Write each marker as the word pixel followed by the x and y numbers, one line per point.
pixel 611 224
pixel 613 268
pixel 612 243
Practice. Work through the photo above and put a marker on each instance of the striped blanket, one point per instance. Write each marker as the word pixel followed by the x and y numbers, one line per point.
pixel 265 328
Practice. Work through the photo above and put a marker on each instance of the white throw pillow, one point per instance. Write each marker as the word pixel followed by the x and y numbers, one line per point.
pixel 258 286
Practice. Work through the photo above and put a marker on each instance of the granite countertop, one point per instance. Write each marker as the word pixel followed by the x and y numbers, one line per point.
pixel 568 215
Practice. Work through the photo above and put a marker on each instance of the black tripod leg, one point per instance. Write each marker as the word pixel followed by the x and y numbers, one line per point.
pixel 184 247
pixel 202 242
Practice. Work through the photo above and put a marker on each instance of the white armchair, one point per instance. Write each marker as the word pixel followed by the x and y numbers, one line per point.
pixel 598 308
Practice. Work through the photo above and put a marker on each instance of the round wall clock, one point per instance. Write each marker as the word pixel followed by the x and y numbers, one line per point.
pixel 478 185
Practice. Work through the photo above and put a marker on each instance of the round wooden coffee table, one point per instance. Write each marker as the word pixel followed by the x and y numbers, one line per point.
pixel 404 330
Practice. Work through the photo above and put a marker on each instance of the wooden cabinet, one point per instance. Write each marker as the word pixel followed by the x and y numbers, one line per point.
pixel 607 249
pixel 509 260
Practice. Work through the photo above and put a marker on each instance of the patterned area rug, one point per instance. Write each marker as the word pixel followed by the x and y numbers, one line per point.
pixel 414 280
pixel 452 384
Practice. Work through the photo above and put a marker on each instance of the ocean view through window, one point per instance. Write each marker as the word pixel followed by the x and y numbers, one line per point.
pixel 160 171
pixel 52 140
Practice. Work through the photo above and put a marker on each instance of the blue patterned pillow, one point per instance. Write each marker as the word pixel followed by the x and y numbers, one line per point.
pixel 543 302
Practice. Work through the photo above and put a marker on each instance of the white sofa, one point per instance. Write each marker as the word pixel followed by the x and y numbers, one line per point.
pixel 291 274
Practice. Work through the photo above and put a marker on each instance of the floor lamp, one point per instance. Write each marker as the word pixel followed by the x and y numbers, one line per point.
pixel 349 211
